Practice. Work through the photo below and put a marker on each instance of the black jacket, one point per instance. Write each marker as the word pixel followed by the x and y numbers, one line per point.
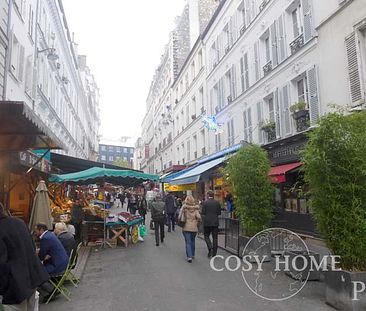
pixel 68 242
pixel 211 210
pixel 157 210
pixel 21 272
pixel 170 205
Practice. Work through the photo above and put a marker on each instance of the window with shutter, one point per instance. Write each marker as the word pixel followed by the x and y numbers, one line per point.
pixel 246 70
pixel 281 41
pixel 256 61
pixel 250 130
pixel 277 113
pixel 245 123
pixel 20 73
pixel 313 95
pixel 308 27
pixel 285 105
pixel 260 120
pixel 273 34
pixel 353 59
pixel 233 82
pixel 242 78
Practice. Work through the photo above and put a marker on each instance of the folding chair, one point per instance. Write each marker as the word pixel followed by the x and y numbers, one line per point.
pixel 58 283
pixel 71 276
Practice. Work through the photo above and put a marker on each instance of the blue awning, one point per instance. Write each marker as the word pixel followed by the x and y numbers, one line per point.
pixel 221 153
pixel 193 174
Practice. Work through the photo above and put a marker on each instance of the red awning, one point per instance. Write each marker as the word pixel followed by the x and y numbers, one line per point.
pixel 278 173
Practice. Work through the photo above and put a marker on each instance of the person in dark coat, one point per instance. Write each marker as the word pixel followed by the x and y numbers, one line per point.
pixel 21 272
pixel 211 210
pixel 158 215
pixel 66 238
pixel 142 207
pixel 171 209
pixel 77 217
pixel 51 251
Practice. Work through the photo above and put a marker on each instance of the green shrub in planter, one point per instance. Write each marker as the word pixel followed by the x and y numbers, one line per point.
pixel 247 173
pixel 335 169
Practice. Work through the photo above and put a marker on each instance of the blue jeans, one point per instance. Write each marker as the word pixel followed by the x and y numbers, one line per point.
pixel 190 238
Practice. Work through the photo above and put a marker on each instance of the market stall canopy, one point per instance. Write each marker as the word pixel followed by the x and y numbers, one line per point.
pixel 98 174
pixel 22 129
pixel 66 164
pixel 193 175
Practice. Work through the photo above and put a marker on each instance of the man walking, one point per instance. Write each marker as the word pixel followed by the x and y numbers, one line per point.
pixel 158 217
pixel 21 272
pixel 211 210
pixel 171 208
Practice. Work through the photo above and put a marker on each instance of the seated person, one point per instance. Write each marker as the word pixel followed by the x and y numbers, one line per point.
pixel 66 238
pixel 51 251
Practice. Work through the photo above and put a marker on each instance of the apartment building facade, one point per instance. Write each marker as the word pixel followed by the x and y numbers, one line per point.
pixel 44 71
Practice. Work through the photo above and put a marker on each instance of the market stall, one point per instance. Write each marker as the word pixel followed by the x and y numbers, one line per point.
pixel 99 222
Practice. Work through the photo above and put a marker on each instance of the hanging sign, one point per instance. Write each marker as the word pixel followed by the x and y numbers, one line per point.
pixel 176 188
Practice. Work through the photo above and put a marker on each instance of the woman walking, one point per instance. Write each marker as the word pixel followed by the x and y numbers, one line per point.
pixel 190 212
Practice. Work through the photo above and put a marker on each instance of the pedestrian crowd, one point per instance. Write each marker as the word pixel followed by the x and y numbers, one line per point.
pixel 189 215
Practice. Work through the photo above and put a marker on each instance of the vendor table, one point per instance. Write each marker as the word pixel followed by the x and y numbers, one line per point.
pixel 122 230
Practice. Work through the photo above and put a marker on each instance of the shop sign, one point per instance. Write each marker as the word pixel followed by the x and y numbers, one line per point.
pixel 219 182
pixel 176 188
pixel 282 154
pixel 28 158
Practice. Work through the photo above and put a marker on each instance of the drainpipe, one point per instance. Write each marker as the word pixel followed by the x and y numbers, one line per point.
pixel 8 50
pixel 35 63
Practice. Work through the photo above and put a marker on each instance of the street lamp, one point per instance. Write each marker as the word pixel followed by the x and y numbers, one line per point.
pixel 51 56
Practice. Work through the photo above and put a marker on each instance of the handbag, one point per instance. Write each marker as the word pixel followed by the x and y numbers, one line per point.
pixel 181 218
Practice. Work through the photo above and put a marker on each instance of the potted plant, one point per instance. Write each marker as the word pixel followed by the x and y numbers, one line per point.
pixel 248 180
pixel 268 126
pixel 299 110
pixel 335 169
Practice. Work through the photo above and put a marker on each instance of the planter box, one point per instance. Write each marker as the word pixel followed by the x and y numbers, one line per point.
pixel 339 290
pixel 302 275
pixel 258 246
pixel 300 114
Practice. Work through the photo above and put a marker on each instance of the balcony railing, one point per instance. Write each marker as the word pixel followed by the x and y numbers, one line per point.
pixel 267 68
pixel 263 5
pixel 203 110
pixel 195 155
pixel 302 120
pixel 297 44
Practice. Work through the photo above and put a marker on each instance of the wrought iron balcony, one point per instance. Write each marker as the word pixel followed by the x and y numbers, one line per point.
pixel 302 120
pixel 271 135
pixel 297 44
pixel 267 68
pixel 203 110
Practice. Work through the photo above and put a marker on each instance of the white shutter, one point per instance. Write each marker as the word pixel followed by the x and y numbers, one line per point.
pixel 285 111
pixel 242 74
pixel 250 124
pixel 233 82
pixel 313 95
pixel 21 63
pixel 248 13
pixel 273 35
pixel 246 70
pixel 256 61
pixel 308 27
pixel 281 39
pixel 245 126
pixel 222 93
pixel 354 70
pixel 259 119
pixel 277 113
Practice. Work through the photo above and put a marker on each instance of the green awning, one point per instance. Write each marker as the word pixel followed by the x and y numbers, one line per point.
pixel 98 174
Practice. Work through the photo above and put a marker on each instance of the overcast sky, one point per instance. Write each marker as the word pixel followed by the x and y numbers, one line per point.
pixel 123 41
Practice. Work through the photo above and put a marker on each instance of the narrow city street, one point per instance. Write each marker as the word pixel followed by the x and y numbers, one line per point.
pixel 146 277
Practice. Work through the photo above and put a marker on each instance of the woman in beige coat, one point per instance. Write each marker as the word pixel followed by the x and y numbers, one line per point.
pixel 190 229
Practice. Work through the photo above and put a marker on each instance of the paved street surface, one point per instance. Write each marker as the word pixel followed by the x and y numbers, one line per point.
pixel 145 277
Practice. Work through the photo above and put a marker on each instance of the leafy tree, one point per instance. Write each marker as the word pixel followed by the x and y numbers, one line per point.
pixel 121 163
pixel 335 168
pixel 247 176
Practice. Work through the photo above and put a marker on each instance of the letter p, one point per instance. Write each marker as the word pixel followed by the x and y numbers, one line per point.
pixel 358 287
